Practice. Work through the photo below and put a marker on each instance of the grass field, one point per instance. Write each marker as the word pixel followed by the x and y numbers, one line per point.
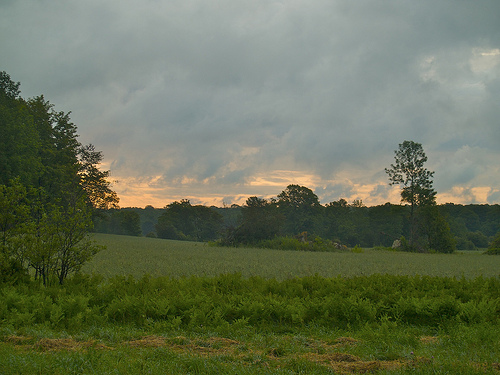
pixel 138 256
pixel 256 311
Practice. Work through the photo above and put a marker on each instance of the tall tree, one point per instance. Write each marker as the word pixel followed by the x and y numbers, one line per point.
pixel 94 181
pixel 416 182
pixel 301 208
pixel 182 221
pixel 260 220
pixel 409 171
pixel 41 172
pixel 19 139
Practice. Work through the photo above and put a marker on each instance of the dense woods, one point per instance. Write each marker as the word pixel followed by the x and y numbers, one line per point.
pixel 472 226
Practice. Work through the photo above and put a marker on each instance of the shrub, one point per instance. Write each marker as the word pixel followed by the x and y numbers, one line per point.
pixel 357 249
pixel 494 248
pixel 292 243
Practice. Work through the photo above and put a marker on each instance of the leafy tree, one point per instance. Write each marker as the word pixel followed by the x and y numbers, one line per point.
pixel 495 243
pixel 386 223
pixel 14 216
pixel 260 220
pixel 44 187
pixel 182 221
pixel 434 231
pixel 149 216
pixel 416 181
pixel 126 222
pixel 301 208
pixel 409 171
pixel 51 239
pixel 94 181
pixel 57 243
pixel 57 151
pixel 337 223
pixel 19 140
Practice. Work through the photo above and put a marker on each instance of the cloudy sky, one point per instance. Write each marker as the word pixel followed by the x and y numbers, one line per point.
pixel 216 101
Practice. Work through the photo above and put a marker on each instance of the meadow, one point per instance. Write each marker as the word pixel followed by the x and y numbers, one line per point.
pixel 138 256
pixel 150 306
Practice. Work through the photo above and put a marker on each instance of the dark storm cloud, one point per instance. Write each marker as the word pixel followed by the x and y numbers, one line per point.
pixel 216 98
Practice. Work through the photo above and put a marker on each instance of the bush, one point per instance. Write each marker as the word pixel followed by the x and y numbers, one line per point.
pixel 465 244
pixel 357 249
pixel 495 251
pixel 12 271
pixel 495 244
pixel 494 248
pixel 292 243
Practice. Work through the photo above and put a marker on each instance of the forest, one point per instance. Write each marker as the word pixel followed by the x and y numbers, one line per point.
pixel 472 226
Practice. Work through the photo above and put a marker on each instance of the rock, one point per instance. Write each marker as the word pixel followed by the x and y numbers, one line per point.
pixel 396 244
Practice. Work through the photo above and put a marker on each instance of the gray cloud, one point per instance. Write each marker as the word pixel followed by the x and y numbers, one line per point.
pixel 218 99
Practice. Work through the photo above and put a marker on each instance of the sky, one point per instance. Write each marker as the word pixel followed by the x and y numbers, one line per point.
pixel 216 101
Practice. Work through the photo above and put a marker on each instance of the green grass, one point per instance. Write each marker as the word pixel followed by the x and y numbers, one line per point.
pixel 138 256
pixel 383 349
pixel 256 311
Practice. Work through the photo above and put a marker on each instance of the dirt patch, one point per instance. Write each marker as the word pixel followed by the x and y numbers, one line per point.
pixel 210 346
pixel 67 344
pixel 18 340
pixel 485 367
pixel 46 344
pixel 344 363
pixel 148 342
pixel 345 341
pixel 429 339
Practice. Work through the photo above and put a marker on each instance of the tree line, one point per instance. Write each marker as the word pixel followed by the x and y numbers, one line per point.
pixel 417 224
pixel 350 223
pixel 51 189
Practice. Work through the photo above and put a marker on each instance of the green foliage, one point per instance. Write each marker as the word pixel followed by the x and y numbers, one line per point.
pixel 494 248
pixel 409 171
pixel 434 231
pixel 429 231
pixel 357 249
pixel 46 190
pixel 118 221
pixel 57 243
pixel 182 221
pixel 260 220
pixel 227 299
pixel 94 181
pixel 299 244
pixel 494 251
pixel 495 243
pixel 300 207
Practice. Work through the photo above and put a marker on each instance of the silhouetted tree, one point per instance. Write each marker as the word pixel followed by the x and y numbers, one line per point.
pixel 261 220
pixel 301 209
pixel 182 221
pixel 428 229
pixel 415 180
